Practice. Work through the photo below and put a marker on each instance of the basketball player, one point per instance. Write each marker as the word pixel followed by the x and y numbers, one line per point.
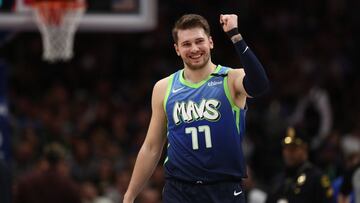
pixel 200 110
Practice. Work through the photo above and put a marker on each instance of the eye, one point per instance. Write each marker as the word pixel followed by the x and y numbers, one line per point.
pixel 200 41
pixel 186 44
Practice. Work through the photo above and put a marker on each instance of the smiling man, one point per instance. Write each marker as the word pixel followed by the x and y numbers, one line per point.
pixel 200 110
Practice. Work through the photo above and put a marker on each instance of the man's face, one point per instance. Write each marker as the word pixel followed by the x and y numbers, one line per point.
pixel 294 155
pixel 194 46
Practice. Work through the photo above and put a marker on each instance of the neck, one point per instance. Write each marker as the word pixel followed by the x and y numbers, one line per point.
pixel 199 74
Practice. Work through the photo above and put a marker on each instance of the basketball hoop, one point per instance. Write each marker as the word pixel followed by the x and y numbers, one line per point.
pixel 57 21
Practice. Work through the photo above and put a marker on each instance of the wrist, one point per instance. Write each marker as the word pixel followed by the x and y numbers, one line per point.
pixel 236 38
pixel 128 197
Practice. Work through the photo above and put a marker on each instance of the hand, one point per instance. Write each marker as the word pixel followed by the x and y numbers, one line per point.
pixel 228 21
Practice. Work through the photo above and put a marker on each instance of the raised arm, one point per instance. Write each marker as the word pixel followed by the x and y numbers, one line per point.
pixel 152 147
pixel 252 80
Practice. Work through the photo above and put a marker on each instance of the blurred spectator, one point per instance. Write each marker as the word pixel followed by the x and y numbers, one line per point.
pixel 301 181
pixel 149 195
pixel 252 190
pixel 328 156
pixel 105 175
pixel 356 184
pixel 90 194
pixel 117 191
pixel 5 182
pixel 50 183
pixel 25 157
pixel 344 187
pixel 313 113
pixel 82 163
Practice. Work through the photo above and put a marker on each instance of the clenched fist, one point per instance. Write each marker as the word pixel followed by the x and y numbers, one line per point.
pixel 228 21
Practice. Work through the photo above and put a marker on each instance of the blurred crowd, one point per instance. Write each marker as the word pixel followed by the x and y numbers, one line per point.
pixel 97 106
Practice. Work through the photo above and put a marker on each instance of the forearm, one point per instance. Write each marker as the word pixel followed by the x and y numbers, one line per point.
pixel 255 81
pixel 146 162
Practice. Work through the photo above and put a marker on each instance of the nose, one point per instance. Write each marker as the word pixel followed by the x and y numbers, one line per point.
pixel 194 48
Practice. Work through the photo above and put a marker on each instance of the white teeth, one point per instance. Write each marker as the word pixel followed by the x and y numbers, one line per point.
pixel 195 57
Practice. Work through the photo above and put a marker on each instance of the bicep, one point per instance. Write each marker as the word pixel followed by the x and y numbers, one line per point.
pixel 236 88
pixel 236 78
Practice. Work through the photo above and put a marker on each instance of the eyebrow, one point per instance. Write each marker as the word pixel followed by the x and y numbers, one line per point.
pixel 196 39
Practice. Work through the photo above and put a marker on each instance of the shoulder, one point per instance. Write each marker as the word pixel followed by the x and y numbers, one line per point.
pixel 160 89
pixel 234 73
pixel 318 176
pixel 161 85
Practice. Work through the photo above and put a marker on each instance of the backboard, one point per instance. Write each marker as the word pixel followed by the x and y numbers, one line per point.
pixel 101 16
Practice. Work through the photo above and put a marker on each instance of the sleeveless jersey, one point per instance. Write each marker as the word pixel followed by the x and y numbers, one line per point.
pixel 205 130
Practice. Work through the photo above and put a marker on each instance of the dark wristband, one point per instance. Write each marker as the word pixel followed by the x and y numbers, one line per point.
pixel 232 32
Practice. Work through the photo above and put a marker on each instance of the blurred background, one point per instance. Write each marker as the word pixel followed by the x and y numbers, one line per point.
pixel 97 105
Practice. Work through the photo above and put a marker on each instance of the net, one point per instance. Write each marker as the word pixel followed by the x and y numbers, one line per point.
pixel 57 22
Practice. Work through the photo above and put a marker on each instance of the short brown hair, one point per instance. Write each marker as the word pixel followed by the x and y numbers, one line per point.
pixel 189 21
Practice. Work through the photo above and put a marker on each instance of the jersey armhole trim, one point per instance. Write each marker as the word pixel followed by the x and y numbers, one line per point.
pixel 228 95
pixel 169 85
pixel 235 108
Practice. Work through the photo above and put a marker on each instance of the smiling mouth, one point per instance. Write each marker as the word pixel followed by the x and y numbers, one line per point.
pixel 195 56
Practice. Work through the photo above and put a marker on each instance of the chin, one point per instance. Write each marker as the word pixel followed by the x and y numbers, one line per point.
pixel 197 66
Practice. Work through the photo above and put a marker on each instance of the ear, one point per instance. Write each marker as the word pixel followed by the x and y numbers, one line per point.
pixel 177 49
pixel 211 42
